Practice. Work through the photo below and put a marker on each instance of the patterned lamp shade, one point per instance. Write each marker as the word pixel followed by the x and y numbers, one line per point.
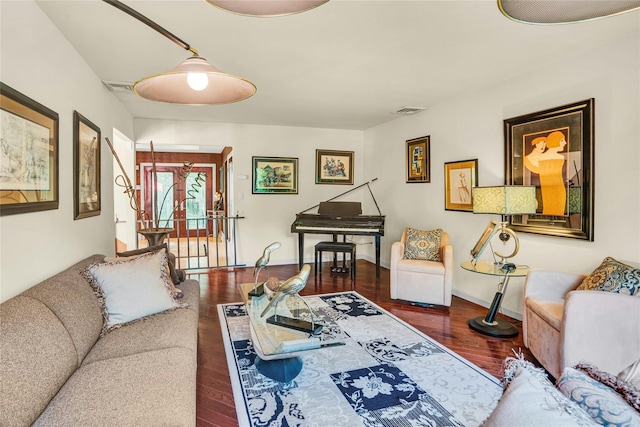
pixel 505 200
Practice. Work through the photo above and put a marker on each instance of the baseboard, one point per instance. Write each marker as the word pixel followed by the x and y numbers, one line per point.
pixel 506 312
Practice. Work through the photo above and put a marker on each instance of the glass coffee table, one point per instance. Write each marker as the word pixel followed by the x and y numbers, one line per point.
pixel 278 347
pixel 490 324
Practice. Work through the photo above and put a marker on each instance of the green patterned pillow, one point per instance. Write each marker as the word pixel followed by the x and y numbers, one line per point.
pixel 424 245
pixel 613 276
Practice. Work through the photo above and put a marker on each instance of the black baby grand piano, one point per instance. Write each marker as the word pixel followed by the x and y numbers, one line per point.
pixel 340 218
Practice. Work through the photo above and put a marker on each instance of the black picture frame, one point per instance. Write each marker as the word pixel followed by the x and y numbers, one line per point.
pixel 29 155
pixel 553 150
pixel 334 167
pixel 86 167
pixel 419 159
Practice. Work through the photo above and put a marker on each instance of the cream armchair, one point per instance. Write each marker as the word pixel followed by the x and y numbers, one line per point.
pixel 427 282
pixel 563 327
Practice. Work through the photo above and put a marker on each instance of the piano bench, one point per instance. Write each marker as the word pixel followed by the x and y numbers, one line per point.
pixel 336 247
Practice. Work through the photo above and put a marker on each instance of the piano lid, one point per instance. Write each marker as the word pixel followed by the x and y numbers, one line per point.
pixel 351 210
pixel 345 209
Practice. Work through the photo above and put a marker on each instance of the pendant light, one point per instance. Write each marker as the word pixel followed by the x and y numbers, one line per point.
pixel 563 11
pixel 193 82
pixel 266 8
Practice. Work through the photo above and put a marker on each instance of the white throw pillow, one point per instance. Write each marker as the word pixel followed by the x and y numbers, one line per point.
pixel 132 288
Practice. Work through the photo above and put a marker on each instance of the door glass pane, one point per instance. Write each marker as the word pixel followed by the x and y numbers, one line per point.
pixel 165 199
pixel 196 201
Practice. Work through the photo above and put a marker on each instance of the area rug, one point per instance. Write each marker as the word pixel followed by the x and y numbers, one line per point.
pixel 387 374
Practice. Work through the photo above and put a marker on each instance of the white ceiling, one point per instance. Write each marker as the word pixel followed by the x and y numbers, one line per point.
pixel 348 64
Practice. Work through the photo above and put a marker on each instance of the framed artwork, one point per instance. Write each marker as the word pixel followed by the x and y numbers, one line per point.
pixel 29 154
pixel 553 151
pixel 275 175
pixel 482 242
pixel 86 167
pixel 334 167
pixel 459 178
pixel 418 160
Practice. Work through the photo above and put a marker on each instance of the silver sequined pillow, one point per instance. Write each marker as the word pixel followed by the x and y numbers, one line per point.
pixel 424 245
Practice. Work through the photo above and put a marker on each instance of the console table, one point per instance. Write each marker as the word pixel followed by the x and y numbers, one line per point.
pixel 490 324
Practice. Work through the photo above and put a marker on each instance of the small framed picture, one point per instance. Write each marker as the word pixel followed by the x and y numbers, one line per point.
pixel 86 167
pixel 334 167
pixel 459 178
pixel 29 154
pixel 277 175
pixel 418 160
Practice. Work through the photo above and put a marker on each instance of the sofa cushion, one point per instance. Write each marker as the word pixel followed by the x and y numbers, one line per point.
pixel 424 245
pixel 530 400
pixel 69 295
pixel 551 312
pixel 132 288
pixel 155 388
pixel 602 403
pixel 613 276
pixel 37 356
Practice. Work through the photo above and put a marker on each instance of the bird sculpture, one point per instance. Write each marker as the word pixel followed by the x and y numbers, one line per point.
pixel 291 286
pixel 263 261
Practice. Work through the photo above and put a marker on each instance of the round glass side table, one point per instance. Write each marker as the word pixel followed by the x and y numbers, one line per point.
pixel 490 324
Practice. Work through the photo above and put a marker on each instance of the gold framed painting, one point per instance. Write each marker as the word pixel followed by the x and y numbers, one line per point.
pixel 553 151
pixel 275 175
pixel 86 167
pixel 418 160
pixel 29 154
pixel 459 179
pixel 334 167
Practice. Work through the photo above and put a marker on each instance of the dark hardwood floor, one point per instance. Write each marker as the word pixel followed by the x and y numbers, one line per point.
pixel 215 406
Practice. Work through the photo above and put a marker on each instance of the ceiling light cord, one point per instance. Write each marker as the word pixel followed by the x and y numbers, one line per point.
pixel 131 12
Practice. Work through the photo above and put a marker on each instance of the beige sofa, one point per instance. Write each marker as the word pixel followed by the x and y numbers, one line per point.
pixel 563 326
pixel 55 370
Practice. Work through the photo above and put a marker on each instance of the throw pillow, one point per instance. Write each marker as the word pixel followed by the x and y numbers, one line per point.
pixel 613 276
pixel 605 406
pixel 424 245
pixel 625 388
pixel 531 400
pixel 131 288
pixel 175 278
pixel 631 374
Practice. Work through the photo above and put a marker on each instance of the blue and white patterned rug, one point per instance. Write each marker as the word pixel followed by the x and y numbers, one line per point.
pixel 387 374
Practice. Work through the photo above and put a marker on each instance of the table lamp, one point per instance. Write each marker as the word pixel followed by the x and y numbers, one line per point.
pixel 505 200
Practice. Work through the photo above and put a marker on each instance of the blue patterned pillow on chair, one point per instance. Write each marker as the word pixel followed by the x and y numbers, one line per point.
pixel 613 276
pixel 424 245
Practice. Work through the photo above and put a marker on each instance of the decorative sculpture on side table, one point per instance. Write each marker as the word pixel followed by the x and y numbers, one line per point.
pixel 260 264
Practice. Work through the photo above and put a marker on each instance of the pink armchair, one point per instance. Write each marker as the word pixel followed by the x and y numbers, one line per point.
pixel 563 326
pixel 427 282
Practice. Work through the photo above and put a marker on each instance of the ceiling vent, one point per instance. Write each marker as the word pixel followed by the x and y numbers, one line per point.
pixel 410 110
pixel 119 87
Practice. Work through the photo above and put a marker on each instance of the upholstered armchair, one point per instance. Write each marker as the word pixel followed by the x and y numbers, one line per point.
pixel 563 326
pixel 419 280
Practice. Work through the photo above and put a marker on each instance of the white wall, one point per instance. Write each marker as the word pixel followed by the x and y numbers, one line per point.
pixel 268 217
pixel 40 63
pixel 470 127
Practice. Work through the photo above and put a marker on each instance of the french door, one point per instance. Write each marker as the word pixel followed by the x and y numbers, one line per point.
pixel 180 199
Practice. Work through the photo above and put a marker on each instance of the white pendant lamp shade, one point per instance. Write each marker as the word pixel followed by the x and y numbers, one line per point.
pixel 563 11
pixel 266 8
pixel 194 82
